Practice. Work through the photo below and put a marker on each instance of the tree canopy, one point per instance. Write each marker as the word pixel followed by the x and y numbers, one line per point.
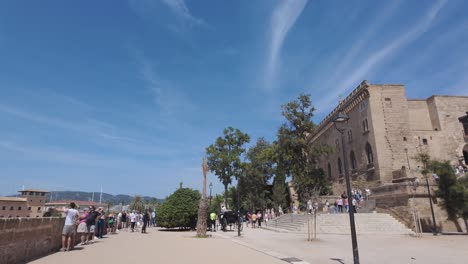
pixel 298 156
pixel 179 209
pixel 224 156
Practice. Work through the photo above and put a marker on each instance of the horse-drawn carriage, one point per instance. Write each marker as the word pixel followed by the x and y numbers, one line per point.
pixel 229 218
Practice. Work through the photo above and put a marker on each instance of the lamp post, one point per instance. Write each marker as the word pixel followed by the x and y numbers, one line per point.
pixel 211 188
pixel 342 118
pixel 238 208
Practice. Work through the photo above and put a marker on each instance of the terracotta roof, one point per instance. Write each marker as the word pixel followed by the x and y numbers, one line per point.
pixel 33 190
pixel 13 199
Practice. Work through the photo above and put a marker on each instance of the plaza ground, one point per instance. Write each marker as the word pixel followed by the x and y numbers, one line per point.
pixel 263 246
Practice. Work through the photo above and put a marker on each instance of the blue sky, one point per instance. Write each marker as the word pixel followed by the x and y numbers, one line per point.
pixel 128 94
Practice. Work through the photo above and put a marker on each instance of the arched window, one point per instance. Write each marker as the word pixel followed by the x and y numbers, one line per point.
pixel 370 156
pixel 350 135
pixel 340 167
pixel 329 171
pixel 365 125
pixel 352 157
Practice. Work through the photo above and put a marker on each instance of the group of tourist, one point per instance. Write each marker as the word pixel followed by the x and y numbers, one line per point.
pixel 94 223
pixel 255 219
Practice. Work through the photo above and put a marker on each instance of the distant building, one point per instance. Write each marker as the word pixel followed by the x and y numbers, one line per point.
pixel 36 200
pixel 13 207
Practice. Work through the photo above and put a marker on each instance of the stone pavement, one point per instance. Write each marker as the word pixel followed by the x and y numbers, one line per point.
pixel 159 247
pixel 263 246
pixel 373 248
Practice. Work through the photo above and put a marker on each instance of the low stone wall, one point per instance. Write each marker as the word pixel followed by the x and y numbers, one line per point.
pixel 400 199
pixel 24 239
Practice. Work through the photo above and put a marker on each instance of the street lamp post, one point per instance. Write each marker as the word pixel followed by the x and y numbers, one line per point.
pixel 238 208
pixel 342 118
pixel 211 188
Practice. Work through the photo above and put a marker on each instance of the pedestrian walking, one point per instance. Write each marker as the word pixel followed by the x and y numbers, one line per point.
pixel 145 221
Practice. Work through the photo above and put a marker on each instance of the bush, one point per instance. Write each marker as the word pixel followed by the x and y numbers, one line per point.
pixel 180 209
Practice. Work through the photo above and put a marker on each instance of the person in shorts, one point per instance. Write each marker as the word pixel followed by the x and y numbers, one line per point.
pixel 82 229
pixel 68 232
pixel 91 222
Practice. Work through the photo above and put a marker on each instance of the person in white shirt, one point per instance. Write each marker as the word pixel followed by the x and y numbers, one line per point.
pixel 68 232
pixel 133 218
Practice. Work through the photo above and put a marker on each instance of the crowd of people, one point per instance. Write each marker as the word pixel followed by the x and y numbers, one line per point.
pixel 94 223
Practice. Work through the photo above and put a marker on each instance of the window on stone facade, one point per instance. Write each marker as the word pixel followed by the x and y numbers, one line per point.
pixel 404 138
pixel 38 209
pixel 350 135
pixel 19 208
pixel 329 170
pixel 365 125
pixel 352 157
pixel 424 141
pixel 3 207
pixel 11 208
pixel 370 155
pixel 29 208
pixel 340 167
pixel 31 193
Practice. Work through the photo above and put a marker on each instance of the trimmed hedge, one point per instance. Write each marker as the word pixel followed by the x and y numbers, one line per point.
pixel 180 209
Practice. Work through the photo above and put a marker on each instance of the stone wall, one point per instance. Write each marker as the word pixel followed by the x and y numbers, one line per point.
pixel 401 199
pixel 24 239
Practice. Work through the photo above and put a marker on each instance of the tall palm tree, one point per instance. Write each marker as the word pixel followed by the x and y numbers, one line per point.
pixel 137 204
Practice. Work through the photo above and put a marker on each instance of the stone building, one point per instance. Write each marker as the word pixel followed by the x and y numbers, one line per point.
pixel 36 200
pixel 13 207
pixel 386 130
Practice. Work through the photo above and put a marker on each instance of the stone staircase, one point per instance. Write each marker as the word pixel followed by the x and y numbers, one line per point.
pixel 366 223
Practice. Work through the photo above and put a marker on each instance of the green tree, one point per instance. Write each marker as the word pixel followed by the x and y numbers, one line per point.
pixel 224 156
pixel 254 187
pixel 298 156
pixel 454 192
pixel 137 204
pixel 179 209
pixel 279 194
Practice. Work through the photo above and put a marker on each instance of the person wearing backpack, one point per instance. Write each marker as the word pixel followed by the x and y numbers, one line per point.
pixel 68 232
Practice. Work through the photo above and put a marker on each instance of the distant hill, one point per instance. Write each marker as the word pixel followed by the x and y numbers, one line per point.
pixel 87 196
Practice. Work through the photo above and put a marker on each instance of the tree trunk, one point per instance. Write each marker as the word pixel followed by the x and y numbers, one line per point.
pixel 203 208
pixel 466 224
pixel 226 196
pixel 202 218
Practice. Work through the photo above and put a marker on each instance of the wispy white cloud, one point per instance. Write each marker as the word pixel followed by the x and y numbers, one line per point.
pixel 372 60
pixel 180 9
pixel 167 96
pixel 282 20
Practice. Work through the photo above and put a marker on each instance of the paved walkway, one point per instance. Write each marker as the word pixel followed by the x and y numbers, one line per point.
pixel 159 247
pixel 263 246
pixel 382 249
